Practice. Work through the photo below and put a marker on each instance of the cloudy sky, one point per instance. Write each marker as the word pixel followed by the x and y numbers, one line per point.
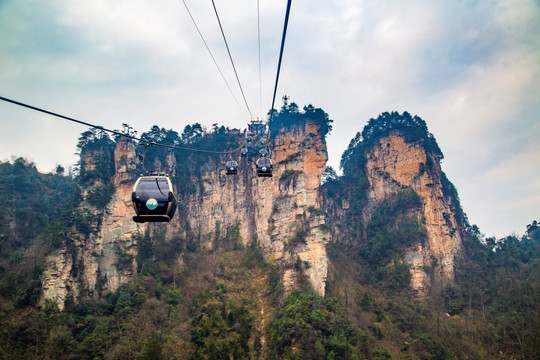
pixel 470 69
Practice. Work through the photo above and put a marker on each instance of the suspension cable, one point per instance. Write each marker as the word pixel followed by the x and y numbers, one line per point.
pixel 280 56
pixel 140 140
pixel 259 46
pixel 230 57
pixel 210 52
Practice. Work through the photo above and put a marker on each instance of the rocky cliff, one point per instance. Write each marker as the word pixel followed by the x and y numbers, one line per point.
pixel 281 215
pixel 103 259
pixel 393 164
pixel 395 156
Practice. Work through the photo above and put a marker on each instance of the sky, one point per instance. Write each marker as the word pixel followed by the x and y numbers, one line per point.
pixel 470 69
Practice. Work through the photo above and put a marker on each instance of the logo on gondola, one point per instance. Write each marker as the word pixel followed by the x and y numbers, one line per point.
pixel 152 204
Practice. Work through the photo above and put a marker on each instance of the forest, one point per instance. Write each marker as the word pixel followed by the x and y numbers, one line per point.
pixel 229 303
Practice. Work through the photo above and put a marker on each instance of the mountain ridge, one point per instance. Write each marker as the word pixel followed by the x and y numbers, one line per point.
pixel 356 266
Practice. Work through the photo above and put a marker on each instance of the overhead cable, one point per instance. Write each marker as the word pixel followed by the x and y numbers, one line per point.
pixel 140 140
pixel 230 57
pixel 210 52
pixel 280 56
pixel 259 46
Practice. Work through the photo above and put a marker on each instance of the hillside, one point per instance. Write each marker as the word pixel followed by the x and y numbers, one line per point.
pixel 378 263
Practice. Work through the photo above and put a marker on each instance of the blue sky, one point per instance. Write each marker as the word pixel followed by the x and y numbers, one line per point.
pixel 471 69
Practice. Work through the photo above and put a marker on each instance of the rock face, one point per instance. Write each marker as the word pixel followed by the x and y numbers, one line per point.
pixel 393 164
pixel 56 279
pixel 115 243
pixel 106 259
pixel 281 214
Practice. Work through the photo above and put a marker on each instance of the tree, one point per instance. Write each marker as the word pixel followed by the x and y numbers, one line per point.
pixel 192 133
pixel 59 170
pixel 310 327
pixel 329 174
pixel 96 151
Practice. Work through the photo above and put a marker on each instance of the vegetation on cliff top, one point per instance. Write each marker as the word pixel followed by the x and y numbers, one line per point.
pixel 411 128
pixel 290 116
pixel 96 162
pixel 354 184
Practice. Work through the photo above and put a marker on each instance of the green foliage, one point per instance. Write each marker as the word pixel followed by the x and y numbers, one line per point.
pixel 498 283
pixel 150 318
pixel 100 195
pixel 350 189
pixel 290 117
pixel 30 202
pixel 96 150
pixel 122 299
pixel 450 192
pixel 221 328
pixel 320 117
pixel 173 296
pixel 453 299
pixel 394 276
pixel 299 236
pixel 314 211
pixel 73 224
pixel 310 327
pixel 233 239
pixel 413 128
pixel 158 154
pixel 145 249
pixel 29 295
pixel 329 175
pixel 435 349
pixel 391 228
pixel 326 228
pixel 152 350
pixel 286 174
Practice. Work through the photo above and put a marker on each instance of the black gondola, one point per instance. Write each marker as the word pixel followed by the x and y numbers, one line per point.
pixel 249 138
pixel 232 167
pixel 264 167
pixel 153 199
pixel 244 152
pixel 263 153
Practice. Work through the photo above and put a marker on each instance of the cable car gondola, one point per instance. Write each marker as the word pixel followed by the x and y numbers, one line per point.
pixel 232 167
pixel 263 153
pixel 153 199
pixel 264 167
pixel 244 152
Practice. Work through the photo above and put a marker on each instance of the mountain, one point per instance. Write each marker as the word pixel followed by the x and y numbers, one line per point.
pixel 394 198
pixel 378 263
